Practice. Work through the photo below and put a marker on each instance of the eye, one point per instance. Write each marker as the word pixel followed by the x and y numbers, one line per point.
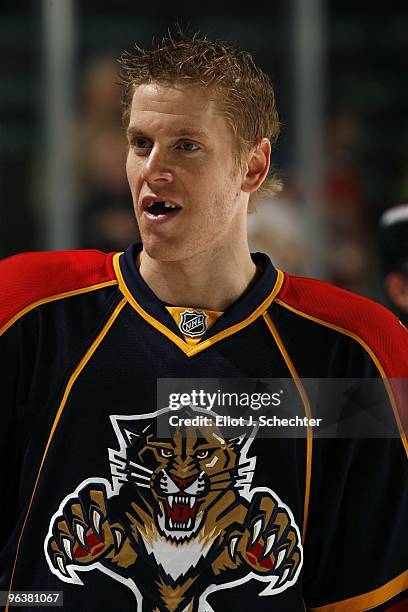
pixel 188 146
pixel 166 452
pixel 141 143
pixel 202 454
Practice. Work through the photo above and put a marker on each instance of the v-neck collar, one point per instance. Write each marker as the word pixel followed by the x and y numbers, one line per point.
pixel 251 304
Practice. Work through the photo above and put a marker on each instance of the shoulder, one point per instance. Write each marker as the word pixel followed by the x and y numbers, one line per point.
pixel 369 323
pixel 29 279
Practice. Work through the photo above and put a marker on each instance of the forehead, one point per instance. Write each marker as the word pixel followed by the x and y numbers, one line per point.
pixel 159 105
pixel 192 439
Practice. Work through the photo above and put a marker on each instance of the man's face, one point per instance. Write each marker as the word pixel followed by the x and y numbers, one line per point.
pixel 181 153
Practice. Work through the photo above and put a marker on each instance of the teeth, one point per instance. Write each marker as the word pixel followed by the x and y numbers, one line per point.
pixel 183 499
pixel 166 205
pixel 190 523
pixel 192 501
pixel 170 500
pixel 171 524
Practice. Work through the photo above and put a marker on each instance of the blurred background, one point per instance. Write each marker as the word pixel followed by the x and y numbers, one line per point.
pixel 340 73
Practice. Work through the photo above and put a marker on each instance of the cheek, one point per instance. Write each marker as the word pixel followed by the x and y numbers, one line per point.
pixel 211 464
pixel 132 172
pixel 129 171
pixel 223 204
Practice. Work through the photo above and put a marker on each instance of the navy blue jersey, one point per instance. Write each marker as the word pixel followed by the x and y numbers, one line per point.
pixel 95 503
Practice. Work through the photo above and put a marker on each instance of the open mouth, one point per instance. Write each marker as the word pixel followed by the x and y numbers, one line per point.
pixel 181 511
pixel 160 208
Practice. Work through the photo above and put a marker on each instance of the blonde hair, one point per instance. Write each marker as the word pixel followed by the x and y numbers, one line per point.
pixel 243 91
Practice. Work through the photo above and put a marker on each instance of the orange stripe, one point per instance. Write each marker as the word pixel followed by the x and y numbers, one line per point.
pixel 367 601
pixel 52 298
pixel 308 412
pixel 156 324
pixel 184 346
pixel 68 388
pixel 372 355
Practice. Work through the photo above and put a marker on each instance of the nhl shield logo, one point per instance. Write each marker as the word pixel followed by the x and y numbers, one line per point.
pixel 193 323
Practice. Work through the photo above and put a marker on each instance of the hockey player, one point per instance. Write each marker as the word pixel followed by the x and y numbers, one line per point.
pixel 99 506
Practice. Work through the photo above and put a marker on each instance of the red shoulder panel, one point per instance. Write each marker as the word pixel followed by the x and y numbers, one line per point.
pixel 373 323
pixel 29 277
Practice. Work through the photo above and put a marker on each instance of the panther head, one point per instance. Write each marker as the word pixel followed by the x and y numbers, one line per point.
pixel 187 471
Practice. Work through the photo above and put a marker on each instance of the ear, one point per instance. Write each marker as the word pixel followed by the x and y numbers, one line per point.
pixel 128 430
pixel 396 286
pixel 257 166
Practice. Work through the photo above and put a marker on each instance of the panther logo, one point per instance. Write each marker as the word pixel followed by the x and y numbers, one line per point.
pixel 178 519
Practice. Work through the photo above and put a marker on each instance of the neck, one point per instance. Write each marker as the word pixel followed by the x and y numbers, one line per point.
pixel 212 279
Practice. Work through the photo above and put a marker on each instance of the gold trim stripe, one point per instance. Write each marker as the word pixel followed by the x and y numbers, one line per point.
pixel 52 298
pixel 85 359
pixel 370 600
pixel 129 297
pixel 187 349
pixel 372 355
pixel 306 403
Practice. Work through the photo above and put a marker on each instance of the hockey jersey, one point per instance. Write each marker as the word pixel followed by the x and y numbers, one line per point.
pixel 99 504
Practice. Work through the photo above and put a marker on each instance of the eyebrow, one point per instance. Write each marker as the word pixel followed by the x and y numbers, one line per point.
pixel 133 130
pixel 159 444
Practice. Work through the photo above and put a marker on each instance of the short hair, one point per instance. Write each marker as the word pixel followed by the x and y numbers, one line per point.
pixel 243 91
pixel 393 239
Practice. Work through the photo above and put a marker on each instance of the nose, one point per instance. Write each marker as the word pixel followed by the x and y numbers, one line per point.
pixel 183 483
pixel 156 170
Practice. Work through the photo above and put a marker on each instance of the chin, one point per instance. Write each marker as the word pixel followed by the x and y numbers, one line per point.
pixel 166 250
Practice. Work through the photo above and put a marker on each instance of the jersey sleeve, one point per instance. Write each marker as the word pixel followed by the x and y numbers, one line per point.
pixel 355 547
pixel 10 448
pixel 28 281
pixel 356 554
